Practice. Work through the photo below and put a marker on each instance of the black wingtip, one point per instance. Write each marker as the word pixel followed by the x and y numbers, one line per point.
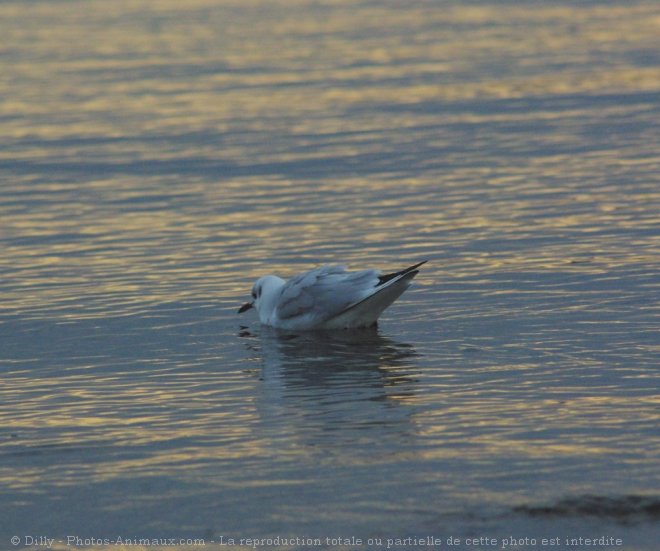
pixel 415 266
pixel 387 277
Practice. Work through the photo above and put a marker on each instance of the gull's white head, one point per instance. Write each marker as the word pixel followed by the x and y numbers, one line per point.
pixel 264 296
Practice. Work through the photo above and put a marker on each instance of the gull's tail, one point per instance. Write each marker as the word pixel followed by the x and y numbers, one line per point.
pixel 366 312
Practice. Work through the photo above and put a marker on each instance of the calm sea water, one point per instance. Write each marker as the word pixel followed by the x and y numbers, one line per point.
pixel 157 157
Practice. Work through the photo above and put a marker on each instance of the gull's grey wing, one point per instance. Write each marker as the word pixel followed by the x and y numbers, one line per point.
pixel 367 311
pixel 325 292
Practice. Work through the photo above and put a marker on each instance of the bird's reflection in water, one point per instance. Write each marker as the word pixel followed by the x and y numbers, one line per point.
pixel 353 383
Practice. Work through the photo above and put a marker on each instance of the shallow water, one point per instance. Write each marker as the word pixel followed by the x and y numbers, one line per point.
pixel 158 157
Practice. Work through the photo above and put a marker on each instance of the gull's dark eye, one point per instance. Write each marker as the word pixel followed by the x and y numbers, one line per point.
pixel 254 295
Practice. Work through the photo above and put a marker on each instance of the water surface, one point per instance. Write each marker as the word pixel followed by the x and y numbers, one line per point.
pixel 158 157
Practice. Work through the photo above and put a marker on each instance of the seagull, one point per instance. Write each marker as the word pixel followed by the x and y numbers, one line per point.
pixel 328 297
